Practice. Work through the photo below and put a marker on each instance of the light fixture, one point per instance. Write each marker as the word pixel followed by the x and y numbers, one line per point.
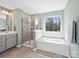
pixel 3 11
pixel 29 19
pixel 7 12
pixel 10 14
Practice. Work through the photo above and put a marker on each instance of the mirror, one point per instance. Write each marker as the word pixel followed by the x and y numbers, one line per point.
pixel 5 19
pixel 2 22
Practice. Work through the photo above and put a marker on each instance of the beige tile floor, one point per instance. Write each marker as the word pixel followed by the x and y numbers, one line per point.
pixel 25 52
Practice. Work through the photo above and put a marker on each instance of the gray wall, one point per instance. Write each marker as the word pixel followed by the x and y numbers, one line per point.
pixel 41 17
pixel 71 13
pixel 18 15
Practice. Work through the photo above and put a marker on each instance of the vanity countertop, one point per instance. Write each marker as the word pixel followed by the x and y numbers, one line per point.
pixel 7 32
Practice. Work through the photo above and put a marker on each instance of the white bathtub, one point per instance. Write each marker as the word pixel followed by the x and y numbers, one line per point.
pixel 54 45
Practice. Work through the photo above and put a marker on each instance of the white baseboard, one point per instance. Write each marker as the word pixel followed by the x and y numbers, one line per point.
pixel 35 49
pixel 27 45
pixel 18 46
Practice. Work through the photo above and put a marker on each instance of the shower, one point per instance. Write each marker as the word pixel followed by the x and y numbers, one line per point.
pixel 27 39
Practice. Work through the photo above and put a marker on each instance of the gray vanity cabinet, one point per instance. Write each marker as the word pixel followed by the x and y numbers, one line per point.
pixel 2 42
pixel 7 40
pixel 10 41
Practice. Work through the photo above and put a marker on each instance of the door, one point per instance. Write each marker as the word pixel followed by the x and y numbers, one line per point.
pixel 26 34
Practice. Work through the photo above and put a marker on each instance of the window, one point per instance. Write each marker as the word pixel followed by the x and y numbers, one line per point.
pixel 38 24
pixel 52 23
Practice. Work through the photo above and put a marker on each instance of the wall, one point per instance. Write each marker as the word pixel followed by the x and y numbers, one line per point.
pixel 18 15
pixel 71 13
pixel 41 17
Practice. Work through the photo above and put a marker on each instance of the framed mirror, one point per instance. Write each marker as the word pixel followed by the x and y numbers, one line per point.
pixel 6 18
pixel 2 22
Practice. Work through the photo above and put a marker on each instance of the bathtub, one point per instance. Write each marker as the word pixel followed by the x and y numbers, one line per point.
pixel 53 45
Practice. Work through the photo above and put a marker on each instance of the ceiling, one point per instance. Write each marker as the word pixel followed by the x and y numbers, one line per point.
pixel 35 6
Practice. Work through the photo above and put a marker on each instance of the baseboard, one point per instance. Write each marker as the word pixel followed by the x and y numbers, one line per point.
pixel 27 45
pixel 35 49
pixel 18 46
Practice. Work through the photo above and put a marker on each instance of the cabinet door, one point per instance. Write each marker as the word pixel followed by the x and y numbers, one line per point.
pixel 11 41
pixel 2 43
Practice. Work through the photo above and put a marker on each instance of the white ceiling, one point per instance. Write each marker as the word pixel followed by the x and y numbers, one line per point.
pixel 35 6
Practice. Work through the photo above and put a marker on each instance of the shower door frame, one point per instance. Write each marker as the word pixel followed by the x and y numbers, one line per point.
pixel 22 32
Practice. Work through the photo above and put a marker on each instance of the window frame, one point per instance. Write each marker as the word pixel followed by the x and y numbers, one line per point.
pixel 53 16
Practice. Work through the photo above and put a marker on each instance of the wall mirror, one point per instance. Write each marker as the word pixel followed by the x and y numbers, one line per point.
pixel 5 19
pixel 2 22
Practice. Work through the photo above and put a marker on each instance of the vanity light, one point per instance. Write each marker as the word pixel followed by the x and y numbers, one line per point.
pixel 10 14
pixel 7 12
pixel 4 12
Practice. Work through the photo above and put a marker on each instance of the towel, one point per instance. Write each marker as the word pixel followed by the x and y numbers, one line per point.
pixel 77 31
pixel 74 37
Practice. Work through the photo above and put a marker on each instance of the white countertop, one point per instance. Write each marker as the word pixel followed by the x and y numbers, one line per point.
pixel 7 32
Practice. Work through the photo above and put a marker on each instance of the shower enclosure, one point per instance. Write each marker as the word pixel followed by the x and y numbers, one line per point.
pixel 27 39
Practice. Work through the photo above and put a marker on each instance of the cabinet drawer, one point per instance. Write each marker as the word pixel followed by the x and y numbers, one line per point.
pixel 10 45
pixel 11 35
pixel 2 37
pixel 2 48
pixel 10 42
pixel 2 40
pixel 11 38
pixel 2 43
